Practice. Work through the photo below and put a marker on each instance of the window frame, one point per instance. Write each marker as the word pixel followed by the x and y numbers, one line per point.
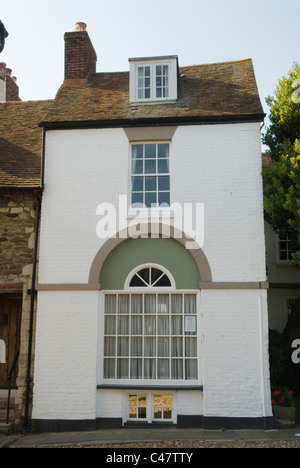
pixel 280 261
pixel 147 289
pixel 157 382
pixel 170 61
pixel 133 208
pixel 150 407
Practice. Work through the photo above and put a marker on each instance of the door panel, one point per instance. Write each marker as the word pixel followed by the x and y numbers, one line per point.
pixel 10 326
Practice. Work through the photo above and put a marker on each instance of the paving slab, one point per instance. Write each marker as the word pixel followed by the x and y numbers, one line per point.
pixel 126 436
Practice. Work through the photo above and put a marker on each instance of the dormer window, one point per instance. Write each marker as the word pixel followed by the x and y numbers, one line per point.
pixel 153 79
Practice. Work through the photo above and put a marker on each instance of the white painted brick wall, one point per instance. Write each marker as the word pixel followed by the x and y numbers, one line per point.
pixel 217 165
pixel 235 376
pixel 66 355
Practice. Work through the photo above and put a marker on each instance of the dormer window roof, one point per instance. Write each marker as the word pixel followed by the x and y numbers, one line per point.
pixel 153 79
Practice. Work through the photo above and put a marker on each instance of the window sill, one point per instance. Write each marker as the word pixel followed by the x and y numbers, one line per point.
pixel 149 387
pixel 162 212
pixel 152 102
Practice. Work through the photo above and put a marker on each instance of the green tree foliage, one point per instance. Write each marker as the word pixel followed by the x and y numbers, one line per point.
pixel 282 179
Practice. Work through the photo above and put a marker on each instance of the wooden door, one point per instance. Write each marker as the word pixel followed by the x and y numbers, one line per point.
pixel 10 326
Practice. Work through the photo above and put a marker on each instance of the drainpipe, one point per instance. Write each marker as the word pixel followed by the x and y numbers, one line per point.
pixel 32 291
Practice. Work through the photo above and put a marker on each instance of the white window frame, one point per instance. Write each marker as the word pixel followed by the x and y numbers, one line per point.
pixel 150 406
pixel 155 291
pixel 147 289
pixel 172 64
pixel 134 211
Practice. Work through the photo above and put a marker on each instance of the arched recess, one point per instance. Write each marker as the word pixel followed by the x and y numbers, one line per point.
pixel 146 231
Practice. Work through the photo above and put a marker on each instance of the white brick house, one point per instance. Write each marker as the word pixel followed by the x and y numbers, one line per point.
pixel 142 329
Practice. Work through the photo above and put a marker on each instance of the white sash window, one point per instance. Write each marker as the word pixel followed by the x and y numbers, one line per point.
pixel 152 334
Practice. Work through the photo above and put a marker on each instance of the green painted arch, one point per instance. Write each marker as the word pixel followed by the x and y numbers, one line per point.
pixel 166 252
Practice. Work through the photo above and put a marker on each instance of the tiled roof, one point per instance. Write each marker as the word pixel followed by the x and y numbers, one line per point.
pixel 21 143
pixel 213 92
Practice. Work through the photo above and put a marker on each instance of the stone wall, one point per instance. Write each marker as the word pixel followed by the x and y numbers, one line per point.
pixel 17 226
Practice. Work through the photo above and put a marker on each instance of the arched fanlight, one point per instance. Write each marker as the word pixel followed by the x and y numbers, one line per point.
pixel 150 277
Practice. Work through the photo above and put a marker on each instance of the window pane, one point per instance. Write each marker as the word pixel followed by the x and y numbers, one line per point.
pixel 150 304
pixel 150 347
pixel 283 255
pixel 176 325
pixel 147 94
pixel 109 368
pixel 164 199
pixel 163 303
pixel 123 304
pixel 163 166
pixel 110 304
pixel 110 346
pixel 150 199
pixel 176 304
pixel 136 366
pixel 163 369
pixel 163 150
pixel 159 92
pixel 137 167
pixel 122 368
pixel 150 369
pixel 136 304
pixel 155 275
pixel 177 347
pixel 150 166
pixel 150 151
pixel 137 199
pixel 136 347
pixel 123 325
pixel 147 71
pixel 164 183
pixel 150 325
pixel 190 304
pixel 137 282
pixel 163 325
pixel 136 325
pixel 137 151
pixel 123 346
pixel 150 184
pixel 191 370
pixel 163 346
pixel 137 184
pixel 110 325
pixel 145 274
pixel 177 369
pixel 191 347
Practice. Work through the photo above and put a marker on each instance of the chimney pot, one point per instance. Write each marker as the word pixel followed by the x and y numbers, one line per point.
pixel 80 26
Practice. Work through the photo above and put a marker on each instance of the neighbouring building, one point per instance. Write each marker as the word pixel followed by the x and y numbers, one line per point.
pixel 140 318
pixel 283 277
pixel 20 167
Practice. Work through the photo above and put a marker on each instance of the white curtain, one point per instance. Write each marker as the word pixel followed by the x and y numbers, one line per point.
pixel 150 369
pixel 110 304
pixel 190 304
pixel 145 337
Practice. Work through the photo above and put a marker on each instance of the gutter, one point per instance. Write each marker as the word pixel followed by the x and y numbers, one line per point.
pixel 33 291
pixel 152 122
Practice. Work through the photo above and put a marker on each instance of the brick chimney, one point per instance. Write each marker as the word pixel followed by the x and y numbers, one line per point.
pixel 9 90
pixel 80 55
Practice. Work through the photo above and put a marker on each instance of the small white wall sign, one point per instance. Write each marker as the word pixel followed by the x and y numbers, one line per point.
pixel 190 324
pixel 2 352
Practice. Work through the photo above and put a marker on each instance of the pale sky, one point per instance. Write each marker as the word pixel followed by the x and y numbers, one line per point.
pixel 197 31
